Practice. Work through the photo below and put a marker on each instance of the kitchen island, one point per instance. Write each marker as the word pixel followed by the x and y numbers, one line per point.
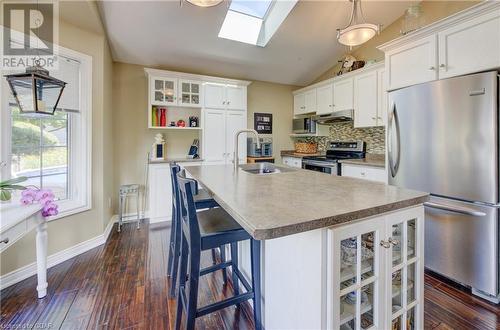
pixel 337 252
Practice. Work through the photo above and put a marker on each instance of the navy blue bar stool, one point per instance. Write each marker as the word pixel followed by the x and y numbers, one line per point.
pixel 205 230
pixel 202 201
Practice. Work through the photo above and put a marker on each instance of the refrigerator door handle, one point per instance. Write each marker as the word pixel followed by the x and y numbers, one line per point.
pixel 455 209
pixel 394 117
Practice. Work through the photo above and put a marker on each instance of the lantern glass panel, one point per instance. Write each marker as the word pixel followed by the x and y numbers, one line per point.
pixel 24 92
pixel 47 95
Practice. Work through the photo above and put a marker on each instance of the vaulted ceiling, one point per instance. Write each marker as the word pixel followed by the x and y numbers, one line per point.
pixel 166 34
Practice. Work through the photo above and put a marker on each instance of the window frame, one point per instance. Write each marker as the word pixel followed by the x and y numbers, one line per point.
pixel 80 140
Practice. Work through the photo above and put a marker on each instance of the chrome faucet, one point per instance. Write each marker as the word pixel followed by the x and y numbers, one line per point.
pixel 235 153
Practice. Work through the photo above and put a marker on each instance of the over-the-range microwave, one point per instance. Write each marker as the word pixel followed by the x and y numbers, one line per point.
pixel 304 126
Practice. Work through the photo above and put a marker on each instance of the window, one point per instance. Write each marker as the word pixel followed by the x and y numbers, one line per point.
pixel 53 151
pixel 254 22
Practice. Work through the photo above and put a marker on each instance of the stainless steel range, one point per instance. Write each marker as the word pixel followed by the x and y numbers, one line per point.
pixel 336 151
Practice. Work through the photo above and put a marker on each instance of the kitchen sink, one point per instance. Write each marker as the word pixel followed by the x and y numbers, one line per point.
pixel 265 168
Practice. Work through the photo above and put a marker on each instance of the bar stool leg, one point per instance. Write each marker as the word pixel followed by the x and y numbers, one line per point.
pixel 176 251
pixel 234 264
pixel 171 244
pixel 182 282
pixel 137 206
pixel 194 277
pixel 222 249
pixel 255 256
pixel 214 257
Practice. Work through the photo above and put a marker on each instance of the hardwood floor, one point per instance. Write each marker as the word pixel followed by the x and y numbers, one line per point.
pixel 122 285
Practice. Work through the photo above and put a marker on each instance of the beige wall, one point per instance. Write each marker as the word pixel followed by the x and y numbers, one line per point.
pixel 432 12
pixel 278 100
pixel 69 231
pixel 132 139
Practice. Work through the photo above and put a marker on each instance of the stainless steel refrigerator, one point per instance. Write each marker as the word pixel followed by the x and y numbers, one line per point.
pixel 443 138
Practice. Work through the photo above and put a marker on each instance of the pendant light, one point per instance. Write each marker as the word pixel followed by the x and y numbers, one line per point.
pixel 205 3
pixel 357 31
pixel 35 91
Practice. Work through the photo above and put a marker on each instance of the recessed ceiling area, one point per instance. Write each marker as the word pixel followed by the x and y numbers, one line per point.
pixel 185 38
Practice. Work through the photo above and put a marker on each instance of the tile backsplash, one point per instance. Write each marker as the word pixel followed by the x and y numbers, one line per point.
pixel 373 136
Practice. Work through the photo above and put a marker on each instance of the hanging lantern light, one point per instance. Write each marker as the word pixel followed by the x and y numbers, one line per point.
pixel 35 91
pixel 357 32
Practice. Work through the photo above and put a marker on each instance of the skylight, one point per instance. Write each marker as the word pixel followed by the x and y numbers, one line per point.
pixel 254 21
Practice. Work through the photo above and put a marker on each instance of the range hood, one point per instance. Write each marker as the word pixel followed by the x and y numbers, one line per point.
pixel 335 117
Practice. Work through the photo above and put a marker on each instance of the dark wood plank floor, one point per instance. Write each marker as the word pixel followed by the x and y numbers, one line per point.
pixel 122 285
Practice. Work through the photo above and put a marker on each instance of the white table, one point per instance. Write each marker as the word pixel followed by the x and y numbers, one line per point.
pixel 18 220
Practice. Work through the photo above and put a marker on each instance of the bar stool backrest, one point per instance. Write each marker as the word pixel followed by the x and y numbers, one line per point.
pixel 189 219
pixel 174 169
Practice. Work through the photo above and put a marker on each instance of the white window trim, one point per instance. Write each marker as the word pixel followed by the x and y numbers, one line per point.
pixel 81 135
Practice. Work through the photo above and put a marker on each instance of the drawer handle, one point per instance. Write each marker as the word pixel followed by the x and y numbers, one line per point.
pixel 363 173
pixel 5 240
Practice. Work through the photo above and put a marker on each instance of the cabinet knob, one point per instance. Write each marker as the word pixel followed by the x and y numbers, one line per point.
pixel 5 240
pixel 228 102
pixel 442 66
pixel 363 173
pixel 374 118
pixel 432 68
pixel 385 244
pixel 223 102
pixel 393 241
pixel 380 118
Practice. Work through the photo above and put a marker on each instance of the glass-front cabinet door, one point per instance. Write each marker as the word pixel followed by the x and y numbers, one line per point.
pixel 354 279
pixel 189 93
pixel 163 91
pixel 405 266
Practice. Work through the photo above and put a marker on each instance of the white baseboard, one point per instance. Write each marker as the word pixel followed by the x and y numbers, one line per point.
pixel 29 270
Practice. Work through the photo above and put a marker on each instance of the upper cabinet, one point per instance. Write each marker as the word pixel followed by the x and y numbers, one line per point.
pixel 412 63
pixel 163 91
pixel 370 99
pixel 189 93
pixel 343 94
pixel 304 102
pixel 221 96
pixel 464 43
pixel 324 99
pixel 470 46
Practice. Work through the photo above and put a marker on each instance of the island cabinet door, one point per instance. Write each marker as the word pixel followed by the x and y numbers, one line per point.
pixel 405 269
pixel 355 276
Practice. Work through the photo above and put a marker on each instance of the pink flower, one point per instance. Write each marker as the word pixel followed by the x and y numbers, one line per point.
pixel 50 209
pixel 44 196
pixel 26 200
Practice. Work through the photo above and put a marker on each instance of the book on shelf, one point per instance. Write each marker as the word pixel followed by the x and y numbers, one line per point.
pixel 158 116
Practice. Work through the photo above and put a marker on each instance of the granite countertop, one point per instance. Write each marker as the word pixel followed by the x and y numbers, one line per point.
pixel 176 160
pixel 292 153
pixel 374 160
pixel 295 201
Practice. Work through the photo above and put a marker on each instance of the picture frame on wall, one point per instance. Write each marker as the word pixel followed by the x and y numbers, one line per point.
pixel 263 122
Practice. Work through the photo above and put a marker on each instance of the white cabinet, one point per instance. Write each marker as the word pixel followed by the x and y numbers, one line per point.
pixel 163 90
pixel 214 95
pixel 214 135
pixel 470 46
pixel 464 43
pixel 343 94
pixel 236 97
pixel 219 128
pixel 189 93
pixel 292 161
pixel 236 120
pixel 160 193
pixel 375 273
pixel 365 99
pixel 370 99
pixel 304 102
pixel 324 99
pixel 223 96
pixel 364 172
pixel 412 63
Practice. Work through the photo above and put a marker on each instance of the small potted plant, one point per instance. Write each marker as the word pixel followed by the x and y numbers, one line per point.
pixel 7 186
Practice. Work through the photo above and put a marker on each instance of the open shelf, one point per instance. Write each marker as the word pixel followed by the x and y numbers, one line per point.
pixel 175 127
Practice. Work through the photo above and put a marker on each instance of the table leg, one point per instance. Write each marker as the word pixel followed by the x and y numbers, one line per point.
pixel 41 258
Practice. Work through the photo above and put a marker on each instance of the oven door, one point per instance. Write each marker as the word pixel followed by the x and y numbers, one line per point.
pixel 322 167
